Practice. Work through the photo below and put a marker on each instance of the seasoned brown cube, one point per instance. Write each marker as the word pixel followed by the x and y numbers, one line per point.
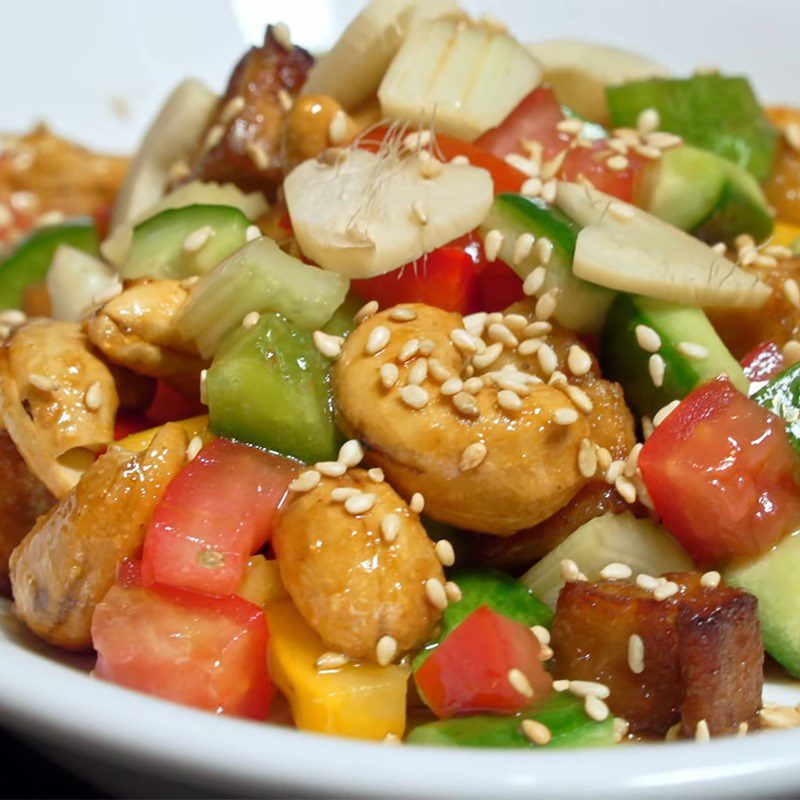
pixel 243 142
pixel 703 655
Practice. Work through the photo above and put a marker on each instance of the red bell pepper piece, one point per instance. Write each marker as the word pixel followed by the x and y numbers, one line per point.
pixel 722 474
pixel 206 652
pixel 469 671
pixel 215 513
pixel 764 362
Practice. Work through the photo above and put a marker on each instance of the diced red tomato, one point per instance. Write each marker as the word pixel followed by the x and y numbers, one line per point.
pixel 592 165
pixel 469 671
pixel 168 405
pixel 206 652
pixel 722 474
pixel 764 362
pixel 215 513
pixel 498 287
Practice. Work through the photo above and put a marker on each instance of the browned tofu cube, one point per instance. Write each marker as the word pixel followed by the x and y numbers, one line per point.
pixel 703 655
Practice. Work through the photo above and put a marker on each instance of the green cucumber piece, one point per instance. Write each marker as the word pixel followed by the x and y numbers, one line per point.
pixel 715 112
pixel 157 249
pixel 584 305
pixel 270 386
pixel 260 277
pixel 492 588
pixel 781 396
pixel 772 578
pixel 563 714
pixel 30 260
pixel 624 361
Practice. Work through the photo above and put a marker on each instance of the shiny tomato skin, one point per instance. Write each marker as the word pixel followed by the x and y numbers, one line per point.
pixel 205 652
pixel 764 362
pixel 722 474
pixel 498 287
pixel 591 164
pixel 468 671
pixel 215 513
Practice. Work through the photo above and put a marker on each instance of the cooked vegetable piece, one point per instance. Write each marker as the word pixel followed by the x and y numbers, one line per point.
pixel 270 386
pixel 206 652
pixel 259 277
pixel 68 561
pixel 374 212
pixel 772 578
pixel 192 426
pixel 716 112
pixel 624 248
pixel 685 344
pixel 172 137
pixel 448 70
pixel 357 699
pixel 763 363
pixel 611 538
pixel 29 261
pixel 781 396
pixel 702 655
pixel 781 187
pixel 352 586
pixel 75 280
pixel 487 663
pixel 183 242
pixel 261 582
pixel 731 465
pixel 703 193
pixel 562 715
pixel 217 511
pixel 583 305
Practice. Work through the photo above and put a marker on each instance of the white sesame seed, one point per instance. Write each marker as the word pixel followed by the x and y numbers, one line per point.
pixel 647 582
pixel 488 356
pixel 193 448
pixel 445 553
pixel 451 386
pixel 417 503
pixel 663 140
pixel 529 346
pixel 625 489
pixel 258 155
pixel 544 250
pixel 779 251
pixel 617 163
pixel 632 461
pixel 331 661
pixel 538 328
pixel 548 194
pixel 366 311
pixel 548 360
pixel 418 371
pixel 13 317
pixel 692 350
pixel 561 685
pixel 604 459
pixel 546 305
pixel 429 167
pixel 522 247
pixel 408 350
pixel 565 416
pixel 93 398
pixel 701 733
pixel 375 474
pixel 492 243
pixel 519 682
pixel 663 413
pixel 558 378
pixel 569 569
pixel 285 99
pixel 541 633
pixel 534 281
pixel 765 262
pixel 213 137
pixel 351 453
pixel 792 291
pixel 791 351
pixel 305 481
pixel 337 128
pixel 587 459
pixel 464 340
pixel 331 469
pixel 453 591
pixel 232 109
pixel 648 120
pixel 536 732
pixel 390 527
pixel 472 385
pixel 459 160
pixel 595 708
pixel 203 379
pixel 647 339
pixel 434 591
pixel 532 187
pixel 252 233
pixel 742 729
pixel 615 469
pixel 615 571
pixel 475 323
pixel 524 165
pixel 579 398
pixel 389 375
pixel 791 133
pixel 508 400
pixel 665 590
pixel 419 212
pixel 656 366
pixel 386 650
pixel 620 211
pixel 392 739
pixel 330 346
pixel 465 404
pixel 710 579
pixel 400 314
pixel 426 347
pixel 636 654
pixel 416 140
pixel 378 338
pixel 472 456
pixel 620 727
pixel 359 503
pixel 282 35
pixel 673 732
pixel 414 396
pixel 197 238
pixel 719 248
pixel 578 360
pixel 498 332
pixel 589 689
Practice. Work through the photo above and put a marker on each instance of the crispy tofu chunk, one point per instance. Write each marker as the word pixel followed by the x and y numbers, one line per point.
pixel 703 655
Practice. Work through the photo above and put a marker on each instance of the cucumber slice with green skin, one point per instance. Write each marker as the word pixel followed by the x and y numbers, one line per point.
pixel 584 305
pixel 158 251
pixel 498 591
pixel 29 262
pixel 782 396
pixel 715 112
pixel 270 386
pixel 703 193
pixel 260 277
pixel 624 361
pixel 772 578
pixel 563 714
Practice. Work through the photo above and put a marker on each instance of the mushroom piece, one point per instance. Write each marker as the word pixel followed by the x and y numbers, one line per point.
pixel 58 401
pixel 67 563
pixel 138 329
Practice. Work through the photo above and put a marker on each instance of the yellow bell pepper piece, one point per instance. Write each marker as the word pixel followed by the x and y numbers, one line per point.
pixel 364 701
pixel 785 233
pixel 261 583
pixel 194 426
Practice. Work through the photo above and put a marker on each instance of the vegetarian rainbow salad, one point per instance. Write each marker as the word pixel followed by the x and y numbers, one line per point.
pixel 446 386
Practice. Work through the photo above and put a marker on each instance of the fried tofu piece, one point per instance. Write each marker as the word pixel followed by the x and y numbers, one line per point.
pixel 243 142
pixel 23 500
pixel 67 563
pixel 703 654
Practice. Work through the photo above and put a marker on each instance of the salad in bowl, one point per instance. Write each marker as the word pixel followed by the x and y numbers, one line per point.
pixel 443 389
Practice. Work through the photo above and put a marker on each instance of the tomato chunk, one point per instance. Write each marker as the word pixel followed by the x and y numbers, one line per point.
pixel 764 362
pixel 469 671
pixel 206 652
pixel 722 474
pixel 216 512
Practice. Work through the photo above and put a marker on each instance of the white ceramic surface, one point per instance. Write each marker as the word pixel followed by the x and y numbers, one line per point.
pixel 67 62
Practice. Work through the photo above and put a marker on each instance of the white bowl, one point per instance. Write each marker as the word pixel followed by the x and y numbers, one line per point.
pixel 93 58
